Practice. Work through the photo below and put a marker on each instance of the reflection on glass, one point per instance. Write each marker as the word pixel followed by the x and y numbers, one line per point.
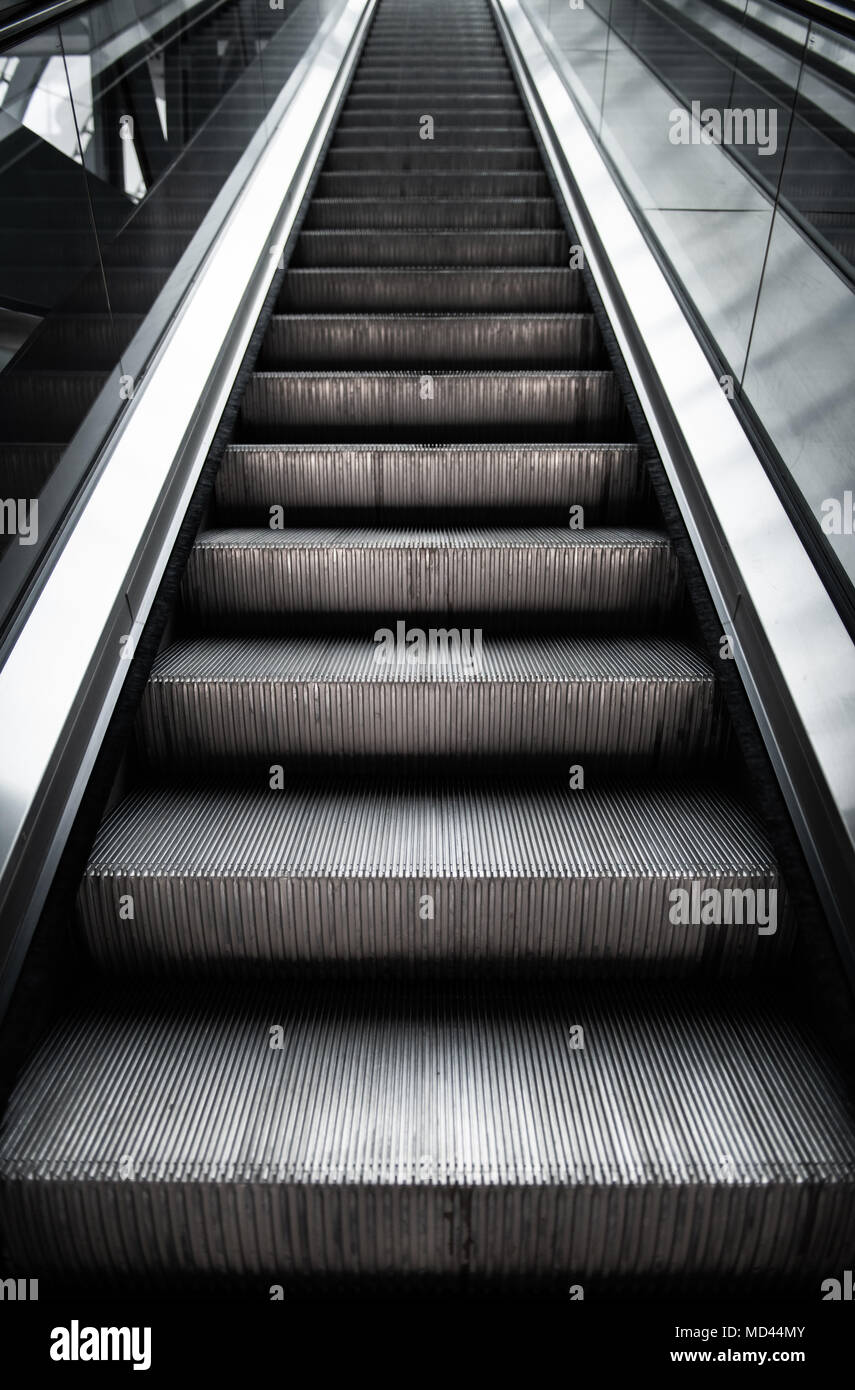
pixel 121 130
pixel 731 126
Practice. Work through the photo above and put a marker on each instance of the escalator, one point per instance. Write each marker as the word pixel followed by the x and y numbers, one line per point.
pixel 407 959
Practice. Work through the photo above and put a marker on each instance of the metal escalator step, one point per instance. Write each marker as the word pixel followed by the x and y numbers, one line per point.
pixel 96 340
pixel 408 116
pixel 420 289
pixel 446 137
pixel 434 87
pixel 333 874
pixel 431 340
pixel 428 157
pixel 181 185
pixel 359 214
pixel 148 246
pixel 437 47
pixel 483 406
pixel 77 248
pixel 44 407
pixel 395 1135
pixel 465 102
pixel 246 571
pixel 168 214
pixel 420 183
pixel 381 66
pixel 429 247
pixel 131 291
pixel 221 702
pixel 608 478
pixel 25 468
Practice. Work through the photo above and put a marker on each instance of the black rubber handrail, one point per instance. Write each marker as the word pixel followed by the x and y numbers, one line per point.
pixel 24 19
pixel 827 12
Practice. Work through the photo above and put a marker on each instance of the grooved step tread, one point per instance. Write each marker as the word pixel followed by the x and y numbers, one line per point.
pixel 314 475
pixel 407 691
pixel 414 407
pixel 449 214
pixel 511 829
pixel 432 288
pixel 452 1133
pixel 433 246
pixel 313 569
pixel 331 874
pixel 430 340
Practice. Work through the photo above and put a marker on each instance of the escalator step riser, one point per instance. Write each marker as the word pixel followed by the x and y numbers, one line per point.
pixel 390 65
pixel 464 101
pixel 431 248
pixel 23 417
pixel 149 247
pixel 435 88
pixel 262 573
pixel 427 158
pixel 347 342
pixel 605 479
pixel 473 113
pixel 446 137
pixel 25 468
pixel 540 289
pixel 132 292
pixel 97 339
pixel 397 53
pixel 180 185
pixel 168 215
pixel 226 705
pixel 423 184
pixel 490 214
pixel 327 877
pixel 565 406
pixel 75 250
pixel 213 161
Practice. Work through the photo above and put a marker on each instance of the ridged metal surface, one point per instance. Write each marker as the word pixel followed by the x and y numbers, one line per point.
pixel 428 340
pixel 246 571
pixel 435 88
pixel 131 291
pixel 227 701
pixel 477 248
pixel 608 477
pixel 422 68
pixel 446 136
pixel 522 214
pixel 340 290
pixel 489 405
pixel 333 875
pixel 97 339
pixel 412 159
pixel 452 1134
pixel 23 417
pixel 382 114
pixel 25 468
pixel 378 110
pixel 423 183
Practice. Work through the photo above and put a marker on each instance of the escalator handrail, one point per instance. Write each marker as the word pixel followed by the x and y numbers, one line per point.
pixel 825 12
